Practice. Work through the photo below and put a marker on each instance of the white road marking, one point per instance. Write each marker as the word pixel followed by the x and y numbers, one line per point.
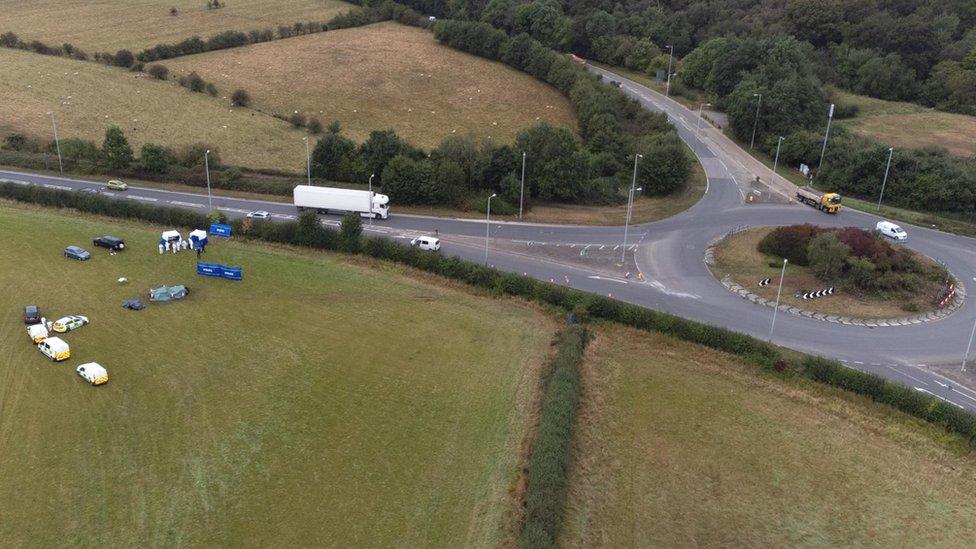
pixel 146 198
pixel 660 287
pixel 59 187
pixel 187 204
pixel 938 396
pixel 909 376
pixel 594 277
pixel 283 216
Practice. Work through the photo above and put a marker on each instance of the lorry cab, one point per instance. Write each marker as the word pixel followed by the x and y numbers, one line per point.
pixel 55 349
pixel 381 206
pixel 890 230
pixel 830 202
pixel 427 243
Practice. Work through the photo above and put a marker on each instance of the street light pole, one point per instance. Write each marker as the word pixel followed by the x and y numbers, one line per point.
pixel 206 161
pixel 778 294
pixel 370 184
pixel 522 192
pixel 667 91
pixel 700 109
pixel 752 143
pixel 630 206
pixel 308 161
pixel 891 152
pixel 776 162
pixel 57 142
pixel 830 117
pixel 970 346
pixel 488 226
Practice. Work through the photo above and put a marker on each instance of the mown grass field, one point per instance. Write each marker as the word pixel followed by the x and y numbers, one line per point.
pixel 911 126
pixel 383 76
pixel 316 403
pixel 678 445
pixel 137 24
pixel 739 258
pixel 87 98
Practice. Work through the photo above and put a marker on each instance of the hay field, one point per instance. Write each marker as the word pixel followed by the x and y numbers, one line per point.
pixel 105 25
pixel 384 76
pixel 88 98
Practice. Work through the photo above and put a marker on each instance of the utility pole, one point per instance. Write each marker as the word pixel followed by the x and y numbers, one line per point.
pixel 488 226
pixel 370 184
pixel 778 294
pixel 630 206
pixel 776 162
pixel 57 143
pixel 206 162
pixel 667 91
pixel 891 152
pixel 522 192
pixel 308 161
pixel 752 143
pixel 823 151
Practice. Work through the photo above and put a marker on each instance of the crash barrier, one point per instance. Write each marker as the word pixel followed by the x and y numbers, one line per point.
pixel 904 398
pixel 220 229
pixel 765 281
pixel 219 271
pixel 814 295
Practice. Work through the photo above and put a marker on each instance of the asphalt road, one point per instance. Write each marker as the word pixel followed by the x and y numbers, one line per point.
pixel 670 256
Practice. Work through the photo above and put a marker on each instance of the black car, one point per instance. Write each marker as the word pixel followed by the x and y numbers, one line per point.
pixel 113 243
pixel 32 314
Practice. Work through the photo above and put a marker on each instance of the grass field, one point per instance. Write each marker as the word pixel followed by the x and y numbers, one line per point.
pixel 108 26
pixel 384 76
pixel 88 97
pixel 910 126
pixel 739 258
pixel 678 446
pixel 316 403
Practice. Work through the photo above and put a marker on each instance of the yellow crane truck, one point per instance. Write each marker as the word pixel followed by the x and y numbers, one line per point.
pixel 825 202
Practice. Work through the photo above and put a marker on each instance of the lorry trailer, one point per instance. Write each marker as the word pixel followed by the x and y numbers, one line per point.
pixel 825 202
pixel 332 199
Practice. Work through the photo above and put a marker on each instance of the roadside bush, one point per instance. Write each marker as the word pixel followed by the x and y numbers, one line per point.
pixel 790 243
pixel 157 71
pixel 351 230
pixel 124 58
pixel 296 119
pixel 240 98
pixel 211 89
pixel 15 141
pixel 193 82
pixel 314 125
pixel 828 256
pixel 155 158
pixel 116 150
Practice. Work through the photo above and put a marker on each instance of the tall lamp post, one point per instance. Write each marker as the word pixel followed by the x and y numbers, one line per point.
pixel 206 162
pixel 701 108
pixel 667 90
pixel 970 346
pixel 776 162
pixel 778 294
pixel 370 185
pixel 522 191
pixel 891 152
pixel 57 142
pixel 823 150
pixel 755 123
pixel 488 226
pixel 630 205
pixel 308 161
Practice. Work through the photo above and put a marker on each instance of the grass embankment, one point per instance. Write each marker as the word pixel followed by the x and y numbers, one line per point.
pixel 88 97
pixel 315 402
pixel 910 126
pixel 383 76
pixel 138 24
pixel 679 445
pixel 739 258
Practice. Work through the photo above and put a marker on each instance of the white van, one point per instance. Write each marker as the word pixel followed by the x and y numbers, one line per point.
pixel 37 333
pixel 889 229
pixel 427 243
pixel 93 373
pixel 55 349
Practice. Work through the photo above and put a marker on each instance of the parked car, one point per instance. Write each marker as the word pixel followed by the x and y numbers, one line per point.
pixel 427 243
pixel 168 293
pixel 116 185
pixel 615 83
pixel 76 252
pixel 93 373
pixel 259 214
pixel 68 323
pixel 32 314
pixel 37 333
pixel 55 349
pixel 889 229
pixel 113 243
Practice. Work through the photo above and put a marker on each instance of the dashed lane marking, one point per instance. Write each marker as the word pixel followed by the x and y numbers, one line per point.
pixel 144 198
pixel 187 204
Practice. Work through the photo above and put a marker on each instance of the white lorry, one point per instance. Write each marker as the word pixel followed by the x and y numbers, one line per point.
pixel 332 199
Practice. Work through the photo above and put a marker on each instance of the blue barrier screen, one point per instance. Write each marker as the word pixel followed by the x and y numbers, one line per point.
pixel 220 229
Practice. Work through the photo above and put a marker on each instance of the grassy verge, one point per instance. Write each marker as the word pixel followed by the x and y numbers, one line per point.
pixel 316 400
pixel 738 258
pixel 383 76
pixel 680 445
